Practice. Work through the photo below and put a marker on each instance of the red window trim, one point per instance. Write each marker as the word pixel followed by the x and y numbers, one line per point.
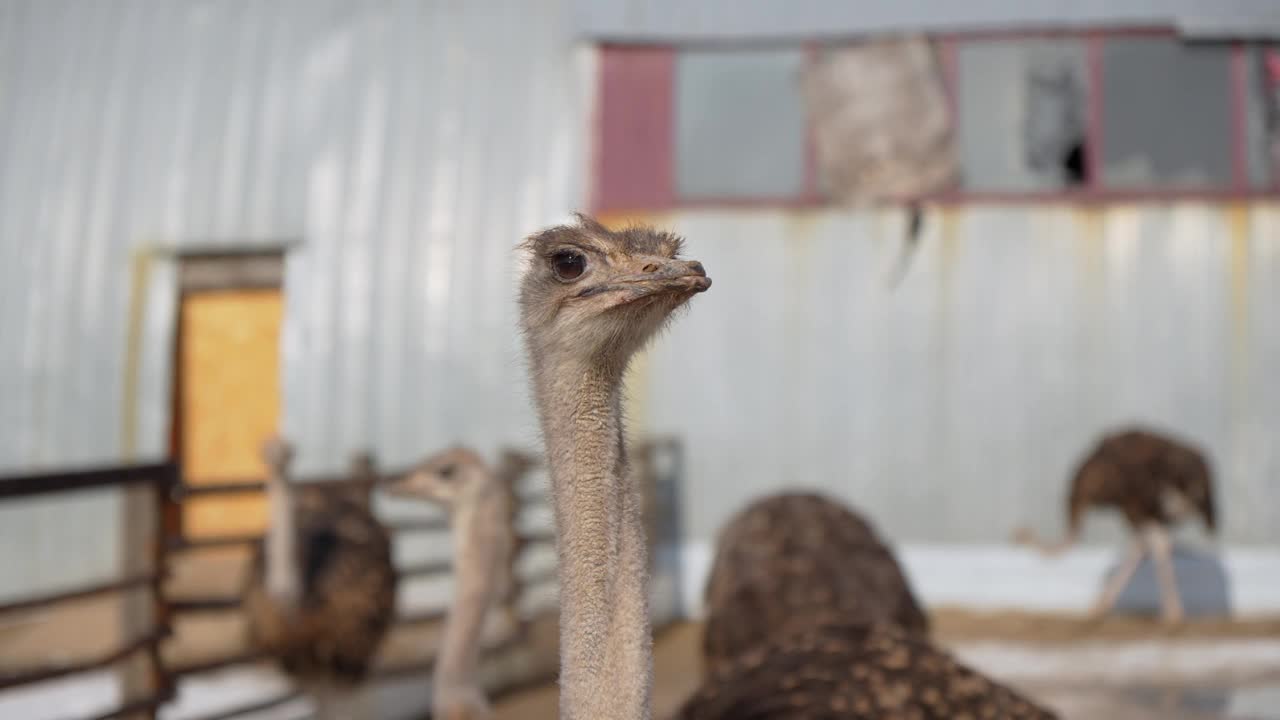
pixel 663 196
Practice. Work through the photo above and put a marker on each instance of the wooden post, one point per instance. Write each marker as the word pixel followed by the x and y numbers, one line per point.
pixel 168 530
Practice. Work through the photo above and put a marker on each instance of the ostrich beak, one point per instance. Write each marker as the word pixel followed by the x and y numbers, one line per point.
pixel 655 275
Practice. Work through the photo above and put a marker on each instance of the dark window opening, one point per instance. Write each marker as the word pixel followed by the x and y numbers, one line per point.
pixel 1021 113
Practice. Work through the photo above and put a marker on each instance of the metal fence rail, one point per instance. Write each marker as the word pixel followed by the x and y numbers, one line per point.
pixel 161 479
pixel 169 494
pixel 177 542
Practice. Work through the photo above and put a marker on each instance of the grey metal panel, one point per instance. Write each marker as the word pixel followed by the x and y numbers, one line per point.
pixel 726 20
pixel 1259 92
pixel 953 408
pixel 409 144
pixel 1157 133
pixel 739 124
pixel 1019 102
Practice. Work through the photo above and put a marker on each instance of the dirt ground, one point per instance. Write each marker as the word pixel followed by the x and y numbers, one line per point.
pixel 951 625
pixel 677 666
pixel 1010 640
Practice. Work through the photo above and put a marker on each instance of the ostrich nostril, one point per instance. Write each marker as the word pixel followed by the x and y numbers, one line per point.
pixel 696 266
pixel 649 268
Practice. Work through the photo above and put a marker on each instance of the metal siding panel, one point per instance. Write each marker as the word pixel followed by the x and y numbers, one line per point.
pixel 409 144
pixel 954 407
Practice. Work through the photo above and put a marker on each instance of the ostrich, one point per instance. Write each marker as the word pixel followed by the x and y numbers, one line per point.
pixel 793 557
pixel 364 472
pixel 590 298
pixel 480 503
pixel 810 616
pixel 323 589
pixel 1156 482
pixel 848 670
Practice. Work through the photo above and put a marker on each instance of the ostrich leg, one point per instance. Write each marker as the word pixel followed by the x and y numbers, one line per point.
pixel 1162 550
pixel 1123 574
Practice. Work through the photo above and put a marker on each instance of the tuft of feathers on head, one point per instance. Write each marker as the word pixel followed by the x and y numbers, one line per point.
pixel 636 238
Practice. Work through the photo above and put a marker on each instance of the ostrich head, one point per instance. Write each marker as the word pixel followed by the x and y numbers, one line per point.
pixel 277 454
pixel 444 478
pixel 595 295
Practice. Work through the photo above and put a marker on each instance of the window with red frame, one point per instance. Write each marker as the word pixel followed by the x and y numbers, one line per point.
pixel 1034 116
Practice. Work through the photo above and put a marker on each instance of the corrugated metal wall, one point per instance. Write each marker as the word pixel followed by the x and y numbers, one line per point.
pixel 954 407
pixel 407 145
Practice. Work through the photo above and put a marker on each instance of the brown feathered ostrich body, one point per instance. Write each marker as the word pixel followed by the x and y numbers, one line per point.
pixel 809 615
pixel 590 298
pixel 799 557
pixel 1155 482
pixel 480 503
pixel 841 670
pixel 323 587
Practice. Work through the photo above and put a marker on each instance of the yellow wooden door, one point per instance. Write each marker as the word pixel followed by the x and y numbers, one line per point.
pixel 229 402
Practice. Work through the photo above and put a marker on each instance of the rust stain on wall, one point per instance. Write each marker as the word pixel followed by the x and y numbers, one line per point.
pixel 1238 232
pixel 1090 229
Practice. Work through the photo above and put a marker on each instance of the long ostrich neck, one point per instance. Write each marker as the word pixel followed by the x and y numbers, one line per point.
pixel 606 660
pixel 479 529
pixel 282 538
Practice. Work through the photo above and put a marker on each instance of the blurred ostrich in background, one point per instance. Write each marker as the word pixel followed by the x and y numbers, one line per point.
pixel 322 593
pixel 791 558
pixel 481 506
pixel 810 615
pixel 1155 482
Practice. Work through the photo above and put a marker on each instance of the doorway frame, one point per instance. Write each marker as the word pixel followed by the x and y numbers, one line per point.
pixel 159 277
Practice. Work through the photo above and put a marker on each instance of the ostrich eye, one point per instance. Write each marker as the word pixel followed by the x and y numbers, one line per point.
pixel 446 472
pixel 568 265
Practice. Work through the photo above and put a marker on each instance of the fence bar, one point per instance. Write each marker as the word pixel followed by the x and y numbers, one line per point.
pixel 182 544
pixel 196 668
pixel 80 593
pixel 53 482
pixel 435 567
pixel 42 674
pixel 425 525
pixel 207 604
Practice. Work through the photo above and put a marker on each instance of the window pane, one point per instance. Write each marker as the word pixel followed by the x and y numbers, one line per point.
pixel 1262 115
pixel 740 126
pixel 1021 114
pixel 1166 114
